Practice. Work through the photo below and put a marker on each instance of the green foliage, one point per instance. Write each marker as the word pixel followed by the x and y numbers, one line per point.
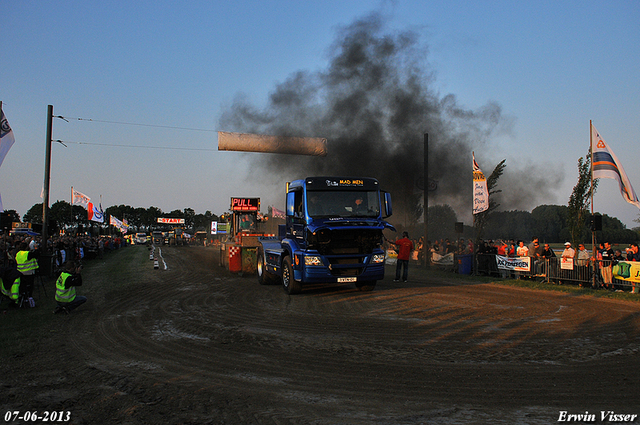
pixel 34 215
pixel 442 219
pixel 63 215
pixel 15 217
pixel 550 224
pixel 509 225
pixel 580 199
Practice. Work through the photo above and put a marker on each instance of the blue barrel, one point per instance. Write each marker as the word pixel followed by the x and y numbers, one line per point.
pixel 465 263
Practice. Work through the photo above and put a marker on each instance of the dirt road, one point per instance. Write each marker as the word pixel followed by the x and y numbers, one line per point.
pixel 194 344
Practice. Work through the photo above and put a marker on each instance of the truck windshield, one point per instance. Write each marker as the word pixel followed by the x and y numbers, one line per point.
pixel 343 203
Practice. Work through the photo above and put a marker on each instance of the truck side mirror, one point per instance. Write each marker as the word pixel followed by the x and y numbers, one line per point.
pixel 386 207
pixel 291 204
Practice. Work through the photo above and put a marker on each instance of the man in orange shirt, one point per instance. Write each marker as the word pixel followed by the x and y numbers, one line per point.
pixel 404 247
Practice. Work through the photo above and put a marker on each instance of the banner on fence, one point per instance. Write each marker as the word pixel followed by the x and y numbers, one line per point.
pixel 520 264
pixel 627 270
pixel 566 263
pixel 442 260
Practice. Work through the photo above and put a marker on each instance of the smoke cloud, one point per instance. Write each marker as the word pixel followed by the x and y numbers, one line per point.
pixel 374 102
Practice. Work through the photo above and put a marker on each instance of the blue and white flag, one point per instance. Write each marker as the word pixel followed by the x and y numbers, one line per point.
pixel 6 136
pixel 95 214
pixel 605 165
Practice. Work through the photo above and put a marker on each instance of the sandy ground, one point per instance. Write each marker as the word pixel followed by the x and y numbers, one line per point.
pixel 194 344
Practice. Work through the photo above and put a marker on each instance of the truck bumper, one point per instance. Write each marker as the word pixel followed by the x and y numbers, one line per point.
pixel 327 273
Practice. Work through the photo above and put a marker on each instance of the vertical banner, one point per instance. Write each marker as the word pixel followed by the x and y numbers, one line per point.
pixel 480 190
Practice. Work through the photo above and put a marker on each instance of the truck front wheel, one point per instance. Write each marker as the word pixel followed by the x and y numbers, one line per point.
pixel 366 286
pixel 289 284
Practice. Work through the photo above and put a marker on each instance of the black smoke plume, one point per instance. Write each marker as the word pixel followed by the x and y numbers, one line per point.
pixel 373 103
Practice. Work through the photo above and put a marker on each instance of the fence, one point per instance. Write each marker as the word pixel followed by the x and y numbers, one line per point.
pixel 580 272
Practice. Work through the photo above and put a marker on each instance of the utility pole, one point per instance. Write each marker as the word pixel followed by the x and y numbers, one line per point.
pixel 47 178
pixel 425 254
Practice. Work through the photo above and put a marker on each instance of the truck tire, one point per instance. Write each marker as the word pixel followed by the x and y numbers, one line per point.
pixel 264 277
pixel 366 286
pixel 289 284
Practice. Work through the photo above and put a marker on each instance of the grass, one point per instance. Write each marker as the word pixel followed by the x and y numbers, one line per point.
pixel 533 284
pixel 571 289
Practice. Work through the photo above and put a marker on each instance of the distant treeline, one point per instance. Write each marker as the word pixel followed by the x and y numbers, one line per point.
pixel 64 215
pixel 547 222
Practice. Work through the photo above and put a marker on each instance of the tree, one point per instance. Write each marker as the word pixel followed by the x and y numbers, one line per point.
pixel 34 215
pixel 580 199
pixel 548 222
pixel 15 217
pixel 442 219
pixel 480 219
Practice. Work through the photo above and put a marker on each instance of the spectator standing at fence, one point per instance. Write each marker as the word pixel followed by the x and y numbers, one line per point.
pixel 617 255
pixel 583 255
pixel 582 261
pixel 547 254
pixel 522 250
pixel 501 247
pixel 532 247
pixel 535 253
pixel 606 268
pixel 568 251
pixel 404 247
pixel 633 254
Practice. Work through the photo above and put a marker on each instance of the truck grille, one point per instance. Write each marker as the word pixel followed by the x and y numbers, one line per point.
pixel 347 242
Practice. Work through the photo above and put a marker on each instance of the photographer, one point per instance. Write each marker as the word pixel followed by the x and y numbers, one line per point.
pixel 66 288
pixel 632 252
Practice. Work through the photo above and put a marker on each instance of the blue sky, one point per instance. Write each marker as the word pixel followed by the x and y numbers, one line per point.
pixel 551 66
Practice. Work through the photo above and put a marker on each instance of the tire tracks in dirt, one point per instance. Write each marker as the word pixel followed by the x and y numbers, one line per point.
pixel 333 352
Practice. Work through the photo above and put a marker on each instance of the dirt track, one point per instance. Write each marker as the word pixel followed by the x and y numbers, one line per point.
pixel 196 345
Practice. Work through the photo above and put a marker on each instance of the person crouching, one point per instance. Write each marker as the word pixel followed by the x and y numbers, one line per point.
pixel 66 289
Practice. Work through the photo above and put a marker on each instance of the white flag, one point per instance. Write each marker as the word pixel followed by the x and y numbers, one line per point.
pixel 480 190
pixel 606 166
pixel 6 136
pixel 78 198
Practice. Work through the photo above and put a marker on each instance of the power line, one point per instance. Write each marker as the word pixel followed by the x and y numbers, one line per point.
pixel 138 146
pixel 133 123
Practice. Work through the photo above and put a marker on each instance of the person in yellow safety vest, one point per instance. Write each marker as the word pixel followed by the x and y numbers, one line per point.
pixel 27 262
pixel 10 285
pixel 66 288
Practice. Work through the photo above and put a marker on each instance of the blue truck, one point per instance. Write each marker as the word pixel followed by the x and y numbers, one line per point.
pixel 332 234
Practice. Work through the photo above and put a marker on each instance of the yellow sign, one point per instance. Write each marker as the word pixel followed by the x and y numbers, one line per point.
pixel 17 225
pixel 627 270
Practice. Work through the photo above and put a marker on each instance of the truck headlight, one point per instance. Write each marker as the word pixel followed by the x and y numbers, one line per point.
pixel 377 258
pixel 312 260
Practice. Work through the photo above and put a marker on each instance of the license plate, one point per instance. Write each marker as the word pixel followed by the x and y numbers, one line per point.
pixel 347 279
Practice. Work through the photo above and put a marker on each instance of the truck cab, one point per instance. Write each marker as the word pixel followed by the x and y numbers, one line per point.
pixel 333 234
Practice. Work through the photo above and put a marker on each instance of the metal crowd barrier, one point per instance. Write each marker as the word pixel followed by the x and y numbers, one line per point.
pixel 585 272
